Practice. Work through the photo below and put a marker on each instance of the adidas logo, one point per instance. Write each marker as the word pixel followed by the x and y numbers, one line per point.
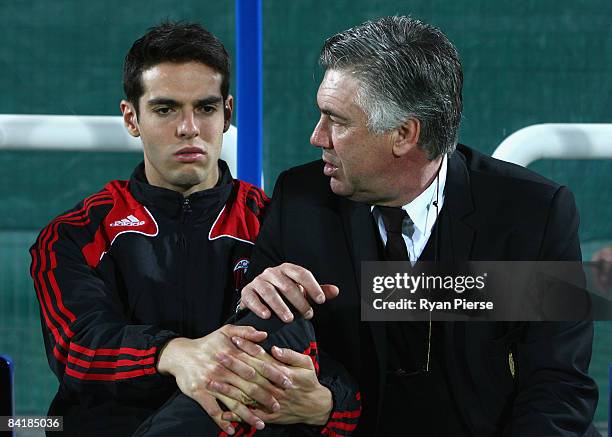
pixel 130 220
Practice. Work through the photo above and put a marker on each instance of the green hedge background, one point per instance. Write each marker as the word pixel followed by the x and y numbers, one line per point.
pixel 529 62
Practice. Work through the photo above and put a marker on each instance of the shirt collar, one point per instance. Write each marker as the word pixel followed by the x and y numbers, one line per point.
pixel 417 209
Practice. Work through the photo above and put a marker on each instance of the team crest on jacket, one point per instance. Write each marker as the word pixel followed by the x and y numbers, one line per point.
pixel 240 272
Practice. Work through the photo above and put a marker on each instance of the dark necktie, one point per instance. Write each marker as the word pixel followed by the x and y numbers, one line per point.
pixel 393 218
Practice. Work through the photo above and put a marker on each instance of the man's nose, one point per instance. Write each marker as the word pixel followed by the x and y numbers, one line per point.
pixel 188 127
pixel 320 135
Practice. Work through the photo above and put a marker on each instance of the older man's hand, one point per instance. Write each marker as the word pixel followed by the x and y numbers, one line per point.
pixel 200 364
pixel 289 281
pixel 302 398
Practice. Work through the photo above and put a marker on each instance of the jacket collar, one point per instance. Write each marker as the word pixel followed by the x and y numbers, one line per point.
pixel 455 232
pixel 458 186
pixel 202 204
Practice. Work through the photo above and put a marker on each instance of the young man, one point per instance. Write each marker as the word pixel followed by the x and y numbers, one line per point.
pixel 136 281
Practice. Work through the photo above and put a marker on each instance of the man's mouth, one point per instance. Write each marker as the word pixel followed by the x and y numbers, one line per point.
pixel 329 168
pixel 189 154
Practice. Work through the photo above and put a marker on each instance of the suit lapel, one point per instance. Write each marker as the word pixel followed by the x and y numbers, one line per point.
pixel 362 240
pixel 456 235
pixel 359 232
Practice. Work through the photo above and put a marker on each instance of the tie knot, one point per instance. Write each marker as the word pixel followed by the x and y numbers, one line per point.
pixel 393 218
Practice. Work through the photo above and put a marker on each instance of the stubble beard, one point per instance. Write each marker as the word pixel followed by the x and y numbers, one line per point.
pixel 187 179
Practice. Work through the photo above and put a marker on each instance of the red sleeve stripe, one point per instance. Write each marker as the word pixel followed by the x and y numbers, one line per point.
pixel 259 199
pixel 263 195
pixel 113 352
pixel 75 221
pixel 39 280
pixel 242 431
pixel 50 233
pixel 40 284
pixel 235 425
pixel 58 355
pixel 331 433
pixel 252 189
pixel 258 196
pixel 335 423
pixel 102 195
pixel 110 364
pixel 48 308
pixel 253 192
pixel 312 352
pixel 346 414
pixel 58 339
pixel 342 425
pixel 48 238
pixel 110 376
pixel 52 227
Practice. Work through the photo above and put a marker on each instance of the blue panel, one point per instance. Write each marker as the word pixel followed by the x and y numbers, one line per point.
pixel 249 90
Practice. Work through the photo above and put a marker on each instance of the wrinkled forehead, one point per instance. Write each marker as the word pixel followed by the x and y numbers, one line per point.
pixel 339 95
pixel 339 86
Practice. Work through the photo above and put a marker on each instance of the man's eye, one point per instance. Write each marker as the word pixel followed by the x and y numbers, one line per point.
pixel 163 110
pixel 332 119
pixel 209 109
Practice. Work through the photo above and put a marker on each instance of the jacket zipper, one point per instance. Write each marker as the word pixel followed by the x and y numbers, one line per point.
pixel 182 241
pixel 185 211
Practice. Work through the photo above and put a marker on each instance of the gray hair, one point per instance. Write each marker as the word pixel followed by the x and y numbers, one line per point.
pixel 406 69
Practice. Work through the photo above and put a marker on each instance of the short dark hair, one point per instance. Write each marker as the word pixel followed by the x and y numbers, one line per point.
pixel 176 42
pixel 406 68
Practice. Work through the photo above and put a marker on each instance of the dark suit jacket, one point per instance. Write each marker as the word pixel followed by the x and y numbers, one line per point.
pixel 492 211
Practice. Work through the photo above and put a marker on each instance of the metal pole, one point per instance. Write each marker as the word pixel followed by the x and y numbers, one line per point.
pixel 249 90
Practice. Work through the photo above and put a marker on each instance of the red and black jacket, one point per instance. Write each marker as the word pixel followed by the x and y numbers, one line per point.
pixel 125 271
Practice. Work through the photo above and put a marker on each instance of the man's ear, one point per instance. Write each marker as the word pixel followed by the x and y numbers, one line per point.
pixel 407 137
pixel 130 118
pixel 228 108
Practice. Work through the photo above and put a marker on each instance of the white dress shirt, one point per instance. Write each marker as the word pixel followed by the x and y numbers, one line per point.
pixel 423 213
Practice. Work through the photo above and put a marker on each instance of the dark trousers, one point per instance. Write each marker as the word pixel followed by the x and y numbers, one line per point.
pixel 182 416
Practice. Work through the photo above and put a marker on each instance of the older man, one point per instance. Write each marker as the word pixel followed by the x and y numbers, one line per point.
pixel 394 185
